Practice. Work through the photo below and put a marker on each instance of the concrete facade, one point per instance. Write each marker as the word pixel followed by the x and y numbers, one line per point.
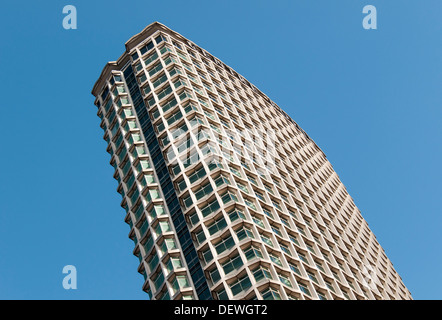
pixel 226 196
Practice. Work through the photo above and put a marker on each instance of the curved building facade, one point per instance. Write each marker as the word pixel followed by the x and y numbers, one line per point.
pixel 225 195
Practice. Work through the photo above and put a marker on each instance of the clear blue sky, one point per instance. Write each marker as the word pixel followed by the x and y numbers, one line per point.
pixel 371 99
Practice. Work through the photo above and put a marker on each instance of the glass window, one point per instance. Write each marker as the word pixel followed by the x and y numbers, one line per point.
pixel 240 285
pixel 224 244
pixel 210 208
pixel 253 252
pixel 232 264
pixel 157 67
pixel 217 225
pixel 271 294
pixel 236 214
pixel 207 255
pixel 285 280
pixel 275 259
pixel 243 233
pixel 203 191
pixel 214 275
pixel 262 273
pixel 228 196
pixel 303 287
pixel 160 39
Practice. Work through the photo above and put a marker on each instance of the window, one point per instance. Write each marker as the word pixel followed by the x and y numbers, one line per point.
pixel 228 196
pixel 253 252
pixel 224 244
pixel 303 287
pixel 262 273
pixel 175 71
pixel 302 231
pixel 266 240
pixel 240 285
pixel 173 263
pixel 170 59
pixel 346 295
pixel 285 280
pixel 319 266
pixel 236 214
pixel 149 244
pixel 321 296
pixel 335 275
pixel 147 47
pixel 157 67
pixel 276 205
pixel 196 121
pixel 190 107
pixel 159 81
pixel 243 233
pixel 294 268
pixel 220 180
pixel 217 225
pixel 252 180
pixel 179 83
pixel 181 185
pixel 258 221
pixel 267 213
pixel 275 259
pixel 198 174
pixel 179 282
pixel 214 275
pixel 158 280
pixel 181 55
pixel 329 285
pixel 222 295
pixel 174 117
pixel 160 39
pixel 176 44
pixel 285 249
pixel 165 92
pixel 285 222
pixel 187 200
pixel 200 236
pixel 312 277
pixel 250 204
pixel 268 188
pixel 192 158
pixel 185 94
pixel 161 227
pixel 150 58
pixel 271 294
pixel 207 255
pixel 152 261
pixel 232 264
pixel 242 187
pixel 203 191
pixel 156 211
pixel 302 257
pixel 235 172
pixel 276 230
pixel 211 207
pixel 310 248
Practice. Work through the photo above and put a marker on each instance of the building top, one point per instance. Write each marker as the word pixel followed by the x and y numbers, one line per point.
pixel 144 35
pixel 130 44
